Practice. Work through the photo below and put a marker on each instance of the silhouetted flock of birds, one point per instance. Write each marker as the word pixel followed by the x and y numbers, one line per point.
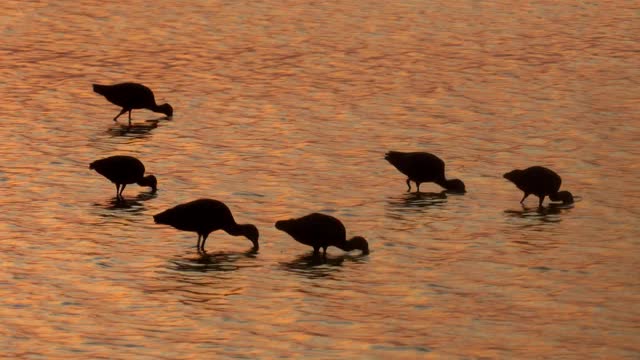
pixel 317 230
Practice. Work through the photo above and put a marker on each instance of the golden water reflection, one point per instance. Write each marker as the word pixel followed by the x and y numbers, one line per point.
pixel 282 109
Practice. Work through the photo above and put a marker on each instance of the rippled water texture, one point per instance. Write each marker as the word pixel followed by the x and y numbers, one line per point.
pixel 283 108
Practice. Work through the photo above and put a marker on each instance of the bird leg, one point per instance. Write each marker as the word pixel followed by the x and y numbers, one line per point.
pixel 408 184
pixel 524 197
pixel 198 244
pixel 121 112
pixel 541 200
pixel 121 190
pixel 130 117
pixel 117 191
pixel 204 239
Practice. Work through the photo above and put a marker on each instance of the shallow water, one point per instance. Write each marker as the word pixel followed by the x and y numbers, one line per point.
pixel 286 108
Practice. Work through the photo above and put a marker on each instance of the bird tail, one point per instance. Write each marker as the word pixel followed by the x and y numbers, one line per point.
pixel 283 225
pixel 394 157
pixel 164 217
pixel 100 89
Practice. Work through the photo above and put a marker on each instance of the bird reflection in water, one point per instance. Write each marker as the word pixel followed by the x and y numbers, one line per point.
pixel 548 214
pixel 418 200
pixel 128 205
pixel 138 130
pixel 216 262
pixel 314 266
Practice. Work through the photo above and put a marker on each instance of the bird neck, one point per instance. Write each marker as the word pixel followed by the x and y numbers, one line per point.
pixel 346 246
pixel 247 230
pixel 238 229
pixel 234 229
pixel 443 182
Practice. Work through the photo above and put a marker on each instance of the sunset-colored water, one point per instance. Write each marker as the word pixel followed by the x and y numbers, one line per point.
pixel 283 108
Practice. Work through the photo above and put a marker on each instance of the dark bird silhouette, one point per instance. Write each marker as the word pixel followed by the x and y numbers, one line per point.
pixel 131 96
pixel 541 182
pixel 423 167
pixel 122 170
pixel 321 231
pixel 204 216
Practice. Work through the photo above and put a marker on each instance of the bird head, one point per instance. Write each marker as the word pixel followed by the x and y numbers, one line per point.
pixel 166 109
pixel 455 185
pixel 150 181
pixel 360 243
pixel 564 196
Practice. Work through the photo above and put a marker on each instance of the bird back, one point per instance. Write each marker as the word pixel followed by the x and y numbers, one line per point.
pixel 420 166
pixel 127 95
pixel 314 229
pixel 119 169
pixel 537 180
pixel 198 215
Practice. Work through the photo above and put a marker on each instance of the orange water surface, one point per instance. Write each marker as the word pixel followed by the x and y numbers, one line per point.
pixel 283 108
